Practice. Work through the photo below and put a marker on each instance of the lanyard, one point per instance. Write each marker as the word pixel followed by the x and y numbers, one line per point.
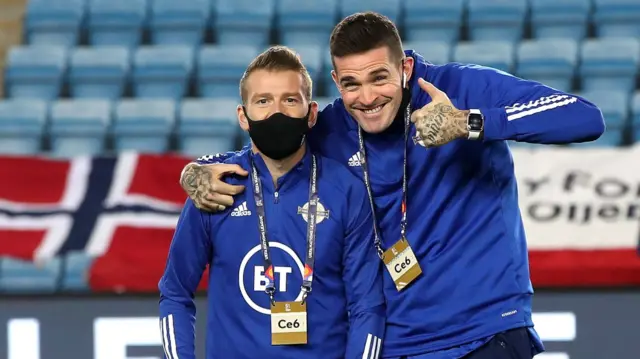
pixel 367 181
pixel 312 212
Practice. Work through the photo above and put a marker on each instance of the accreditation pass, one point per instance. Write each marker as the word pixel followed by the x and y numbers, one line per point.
pixel 288 323
pixel 401 263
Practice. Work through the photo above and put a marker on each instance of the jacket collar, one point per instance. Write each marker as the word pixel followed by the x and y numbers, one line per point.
pixel 301 171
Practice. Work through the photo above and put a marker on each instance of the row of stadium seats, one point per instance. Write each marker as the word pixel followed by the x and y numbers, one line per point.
pixel 82 126
pixel 174 71
pixel 198 125
pixel 111 22
pixel 68 273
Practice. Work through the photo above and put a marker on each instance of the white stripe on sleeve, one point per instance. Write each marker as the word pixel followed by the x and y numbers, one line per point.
pixel 172 338
pixel 367 348
pixel 165 341
pixel 542 104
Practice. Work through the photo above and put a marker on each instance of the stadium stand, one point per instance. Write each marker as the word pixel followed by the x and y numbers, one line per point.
pixel 433 20
pixel 567 19
pixel 610 63
pixel 54 22
pixel 144 125
pixel 99 72
pixel 116 22
pixel 615 108
pixel 245 22
pixel 207 125
pixel 20 276
pixel 496 19
pixel 389 8
pixel 221 67
pixel 439 51
pixel 635 110
pixel 162 71
pixel 79 126
pixel 497 54
pixel 549 61
pixel 305 22
pixel 22 125
pixel 179 22
pixel 617 18
pixel 36 71
pixel 75 269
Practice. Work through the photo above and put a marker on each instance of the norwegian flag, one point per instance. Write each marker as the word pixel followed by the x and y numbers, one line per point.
pixel 121 211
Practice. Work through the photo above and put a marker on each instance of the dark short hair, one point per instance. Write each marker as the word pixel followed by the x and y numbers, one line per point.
pixel 365 31
pixel 277 58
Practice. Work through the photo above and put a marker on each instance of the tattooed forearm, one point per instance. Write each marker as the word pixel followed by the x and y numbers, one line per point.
pixel 196 181
pixel 441 124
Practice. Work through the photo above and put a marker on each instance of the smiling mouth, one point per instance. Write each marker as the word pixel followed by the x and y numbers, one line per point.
pixel 374 110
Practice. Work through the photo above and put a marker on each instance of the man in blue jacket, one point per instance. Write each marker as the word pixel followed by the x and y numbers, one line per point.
pixel 292 272
pixel 430 144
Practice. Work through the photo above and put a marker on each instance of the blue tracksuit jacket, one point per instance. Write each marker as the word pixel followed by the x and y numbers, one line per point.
pixel 346 306
pixel 464 223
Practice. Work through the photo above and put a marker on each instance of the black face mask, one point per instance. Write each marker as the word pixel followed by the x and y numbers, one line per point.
pixel 278 136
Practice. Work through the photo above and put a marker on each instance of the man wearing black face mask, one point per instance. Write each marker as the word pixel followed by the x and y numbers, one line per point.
pixel 293 273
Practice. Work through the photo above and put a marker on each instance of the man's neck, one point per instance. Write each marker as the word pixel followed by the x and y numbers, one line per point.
pixel 278 168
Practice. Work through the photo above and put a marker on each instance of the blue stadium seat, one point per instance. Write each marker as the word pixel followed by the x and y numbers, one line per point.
pixel 610 63
pixel 35 71
pixel 617 18
pixel 312 56
pixel 388 8
pixel 54 22
pixel 305 22
pixel 117 22
pixel 560 19
pixel 75 275
pixel 433 20
pixel 635 120
pixel 162 71
pixel 496 54
pixel 22 124
pixel 221 67
pixel 330 87
pixel 497 19
pixel 144 125
pixel 635 109
pixel 182 22
pixel 246 22
pixel 25 277
pixel 207 126
pixel 549 61
pixel 613 104
pixel 79 126
pixel 323 102
pixel 615 109
pixel 612 137
pixel 436 52
pixel 99 72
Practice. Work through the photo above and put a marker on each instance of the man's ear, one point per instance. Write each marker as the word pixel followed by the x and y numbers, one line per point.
pixel 334 76
pixel 313 113
pixel 242 118
pixel 407 67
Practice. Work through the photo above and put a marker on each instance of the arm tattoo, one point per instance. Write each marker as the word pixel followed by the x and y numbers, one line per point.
pixel 196 181
pixel 442 124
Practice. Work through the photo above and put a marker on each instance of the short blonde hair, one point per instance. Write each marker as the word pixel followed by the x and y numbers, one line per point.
pixel 277 58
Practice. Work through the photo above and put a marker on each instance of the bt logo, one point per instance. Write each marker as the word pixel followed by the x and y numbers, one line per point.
pixel 283 275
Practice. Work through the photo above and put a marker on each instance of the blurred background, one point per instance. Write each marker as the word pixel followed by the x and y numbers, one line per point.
pixel 104 101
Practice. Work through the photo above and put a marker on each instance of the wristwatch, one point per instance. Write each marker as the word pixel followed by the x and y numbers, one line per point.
pixel 475 124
